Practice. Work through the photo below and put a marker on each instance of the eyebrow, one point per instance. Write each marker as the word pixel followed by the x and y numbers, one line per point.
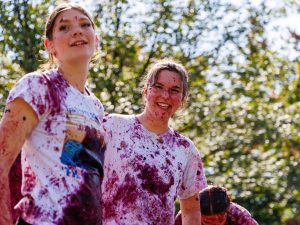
pixel 156 82
pixel 62 20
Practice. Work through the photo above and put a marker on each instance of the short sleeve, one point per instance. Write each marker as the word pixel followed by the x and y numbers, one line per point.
pixel 33 89
pixel 193 179
pixel 240 216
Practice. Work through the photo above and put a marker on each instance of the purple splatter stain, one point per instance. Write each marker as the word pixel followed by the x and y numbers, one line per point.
pixel 183 187
pixel 34 210
pixel 29 179
pixel 168 162
pixel 126 193
pixel 56 91
pixel 95 144
pixel 112 181
pixel 183 143
pixel 65 183
pixel 160 140
pixel 152 182
pixel 55 95
pixel 136 129
pixel 123 144
pixel 54 181
pixel 84 206
pixel 28 206
pixel 180 141
pixel 15 182
pixel 43 192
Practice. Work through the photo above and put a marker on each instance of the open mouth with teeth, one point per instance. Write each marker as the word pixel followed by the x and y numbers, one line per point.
pixel 163 105
pixel 78 43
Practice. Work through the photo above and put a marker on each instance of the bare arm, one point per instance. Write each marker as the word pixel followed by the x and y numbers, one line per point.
pixel 190 209
pixel 17 122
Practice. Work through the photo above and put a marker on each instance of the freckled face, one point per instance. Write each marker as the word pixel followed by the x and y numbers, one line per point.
pixel 73 38
pixel 164 96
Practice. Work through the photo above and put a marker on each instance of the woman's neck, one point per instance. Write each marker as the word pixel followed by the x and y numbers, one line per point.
pixel 75 75
pixel 152 124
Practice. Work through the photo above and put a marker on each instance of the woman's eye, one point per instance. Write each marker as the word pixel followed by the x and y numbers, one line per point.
pixel 157 86
pixel 175 91
pixel 63 28
pixel 86 25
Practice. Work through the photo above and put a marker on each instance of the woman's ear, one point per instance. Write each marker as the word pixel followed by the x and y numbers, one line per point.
pixel 97 41
pixel 46 44
pixel 49 46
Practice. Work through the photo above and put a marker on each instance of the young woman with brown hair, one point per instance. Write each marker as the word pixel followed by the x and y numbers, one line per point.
pixel 148 164
pixel 46 112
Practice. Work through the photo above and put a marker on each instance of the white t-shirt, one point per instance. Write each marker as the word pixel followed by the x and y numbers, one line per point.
pixel 61 179
pixel 145 172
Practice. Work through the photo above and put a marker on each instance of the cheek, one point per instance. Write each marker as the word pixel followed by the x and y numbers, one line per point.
pixel 149 96
pixel 59 42
pixel 177 100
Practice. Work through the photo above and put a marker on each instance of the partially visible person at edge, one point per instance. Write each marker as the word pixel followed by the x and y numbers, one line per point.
pixel 57 122
pixel 147 163
pixel 218 209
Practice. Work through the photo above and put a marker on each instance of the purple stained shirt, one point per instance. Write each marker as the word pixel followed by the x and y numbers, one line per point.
pixel 145 172
pixel 61 179
pixel 240 216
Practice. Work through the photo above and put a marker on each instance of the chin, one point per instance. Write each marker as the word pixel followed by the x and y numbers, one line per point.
pixel 163 117
pixel 81 57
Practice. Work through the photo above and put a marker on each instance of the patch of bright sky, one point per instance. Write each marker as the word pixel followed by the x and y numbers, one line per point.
pixel 278 30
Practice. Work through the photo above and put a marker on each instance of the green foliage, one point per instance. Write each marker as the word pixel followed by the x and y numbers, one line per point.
pixel 22 32
pixel 21 41
pixel 244 109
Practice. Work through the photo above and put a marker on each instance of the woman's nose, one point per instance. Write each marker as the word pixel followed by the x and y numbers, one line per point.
pixel 165 93
pixel 77 31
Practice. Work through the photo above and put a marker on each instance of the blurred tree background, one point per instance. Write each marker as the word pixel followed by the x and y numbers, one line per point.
pixel 244 107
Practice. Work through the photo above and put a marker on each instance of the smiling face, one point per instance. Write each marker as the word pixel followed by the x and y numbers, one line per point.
pixel 163 96
pixel 73 37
